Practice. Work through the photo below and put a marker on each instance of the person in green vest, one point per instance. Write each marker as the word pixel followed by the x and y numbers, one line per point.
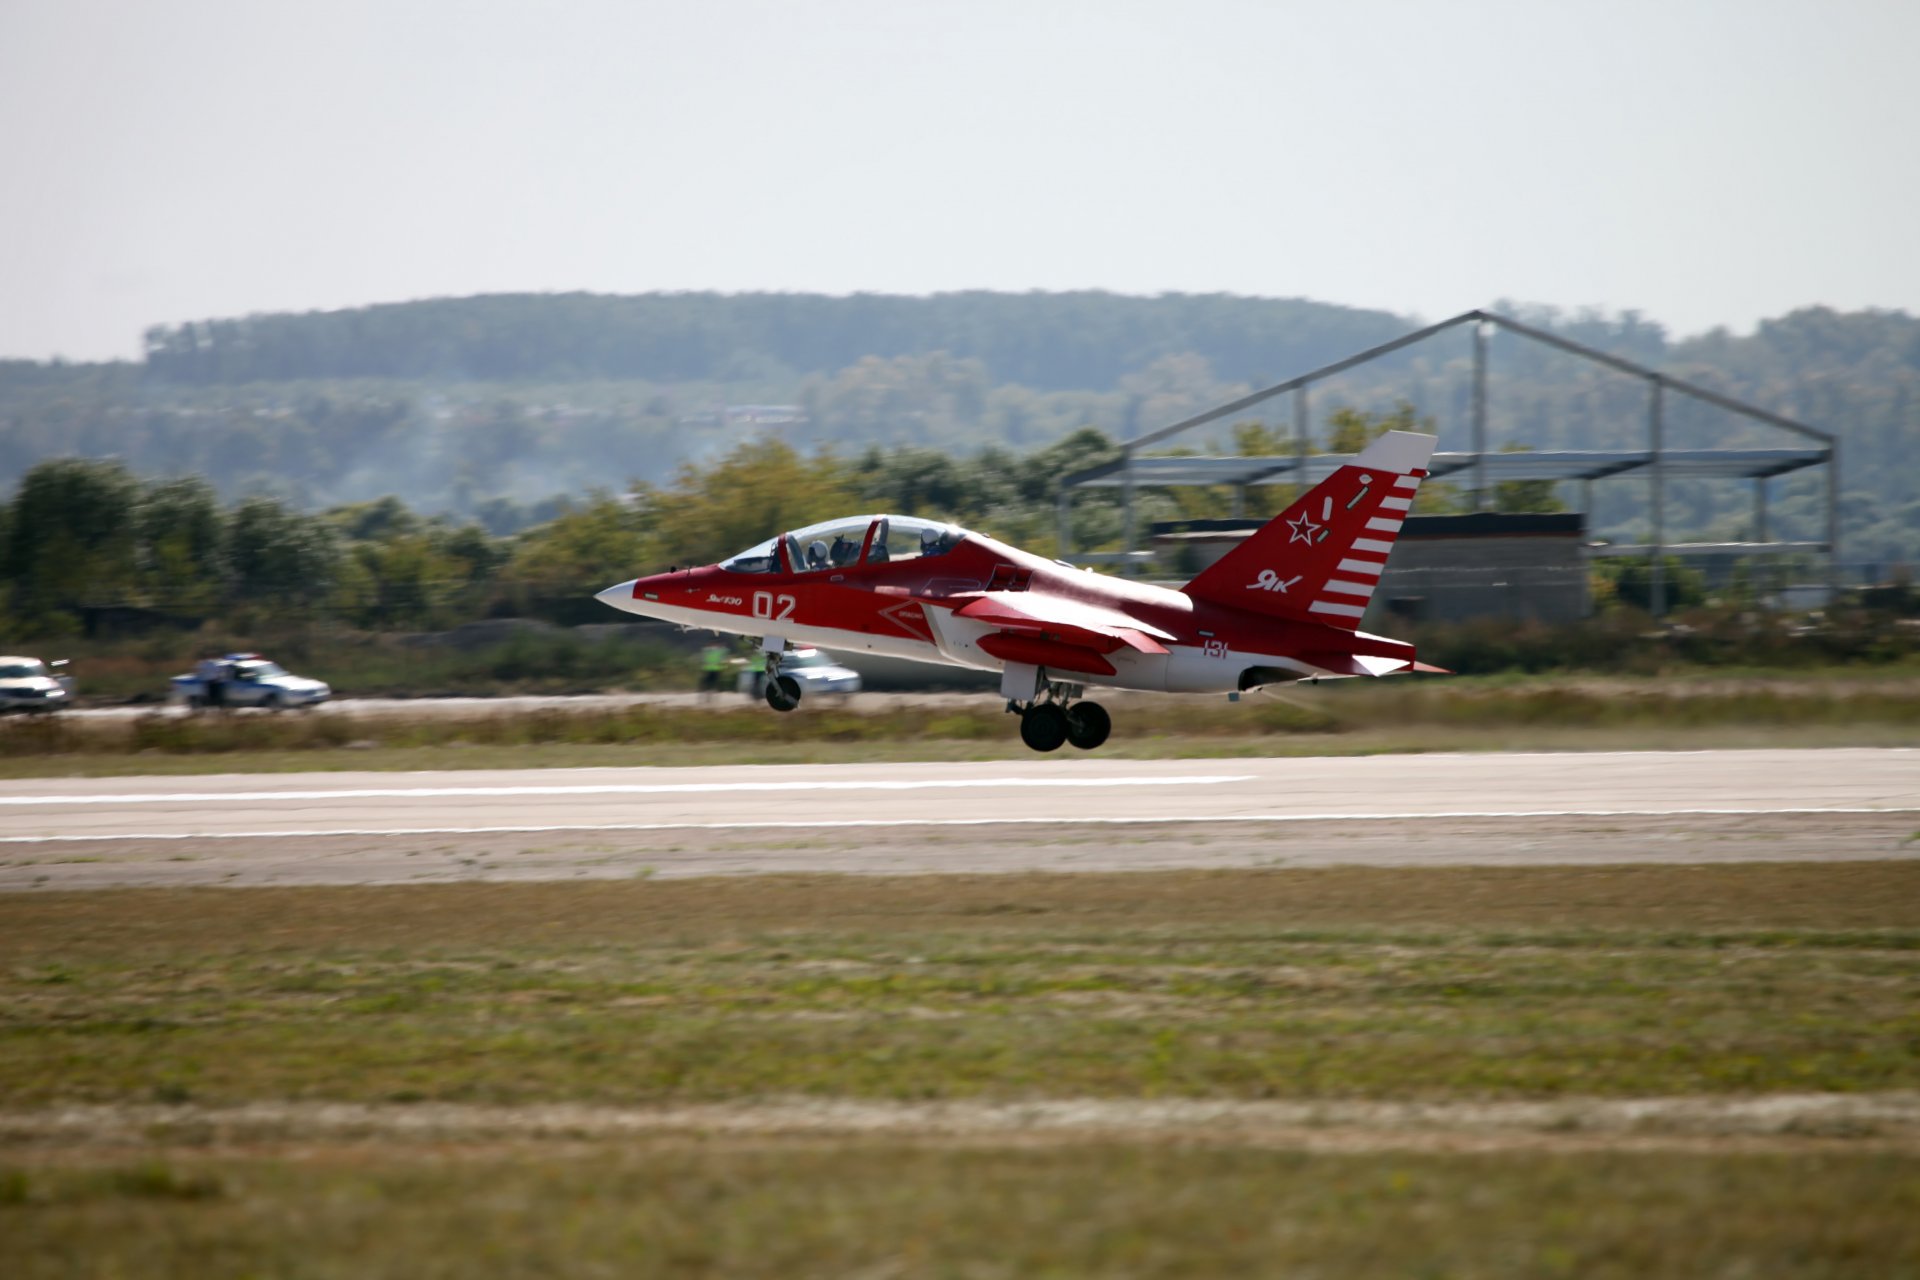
pixel 713 666
pixel 757 668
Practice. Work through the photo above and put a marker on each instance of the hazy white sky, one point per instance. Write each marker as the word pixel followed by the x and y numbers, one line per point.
pixel 1704 161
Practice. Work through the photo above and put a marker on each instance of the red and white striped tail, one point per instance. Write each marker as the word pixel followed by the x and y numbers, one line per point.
pixel 1321 558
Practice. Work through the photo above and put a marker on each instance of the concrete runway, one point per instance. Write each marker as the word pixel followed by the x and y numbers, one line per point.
pixel 1052 813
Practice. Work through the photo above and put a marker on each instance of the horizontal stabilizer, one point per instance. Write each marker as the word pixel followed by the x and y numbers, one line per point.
pixel 1350 664
pixel 1362 664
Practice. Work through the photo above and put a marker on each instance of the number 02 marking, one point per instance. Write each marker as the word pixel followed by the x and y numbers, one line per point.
pixel 765 604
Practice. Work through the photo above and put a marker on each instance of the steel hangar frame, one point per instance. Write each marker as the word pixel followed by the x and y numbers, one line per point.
pixel 1135 467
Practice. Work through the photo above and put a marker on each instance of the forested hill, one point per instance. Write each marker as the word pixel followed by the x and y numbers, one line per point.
pixel 1048 341
pixel 452 404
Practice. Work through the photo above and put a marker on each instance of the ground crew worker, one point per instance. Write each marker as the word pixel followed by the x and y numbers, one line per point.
pixel 214 672
pixel 757 668
pixel 713 665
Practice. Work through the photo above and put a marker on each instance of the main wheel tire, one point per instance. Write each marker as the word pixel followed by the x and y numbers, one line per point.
pixel 1088 725
pixel 1043 727
pixel 783 693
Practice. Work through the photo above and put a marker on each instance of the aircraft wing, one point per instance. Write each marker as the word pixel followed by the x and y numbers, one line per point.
pixel 1055 632
pixel 1071 621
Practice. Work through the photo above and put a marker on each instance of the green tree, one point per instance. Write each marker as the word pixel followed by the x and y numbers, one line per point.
pixel 281 557
pixel 591 545
pixel 1350 430
pixel 371 521
pixel 914 481
pixel 1257 440
pixel 760 488
pixel 404 580
pixel 1628 580
pixel 183 542
pixel 73 540
pixel 1526 495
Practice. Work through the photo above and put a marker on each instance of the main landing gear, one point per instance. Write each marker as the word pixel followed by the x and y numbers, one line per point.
pixel 1052 717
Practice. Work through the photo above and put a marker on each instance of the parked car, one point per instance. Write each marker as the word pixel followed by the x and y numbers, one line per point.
pixel 28 684
pixel 816 671
pixel 255 682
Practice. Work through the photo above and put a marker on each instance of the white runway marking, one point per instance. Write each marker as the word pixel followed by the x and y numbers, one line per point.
pixel 619 789
pixel 1397 816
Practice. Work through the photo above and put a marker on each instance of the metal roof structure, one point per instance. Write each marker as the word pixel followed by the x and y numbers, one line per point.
pixel 1485 468
pixel 1593 464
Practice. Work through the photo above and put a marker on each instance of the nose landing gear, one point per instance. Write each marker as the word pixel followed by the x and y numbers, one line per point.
pixel 783 692
pixel 1052 717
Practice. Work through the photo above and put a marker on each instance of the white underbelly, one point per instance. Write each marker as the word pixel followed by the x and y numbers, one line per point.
pixel 1186 669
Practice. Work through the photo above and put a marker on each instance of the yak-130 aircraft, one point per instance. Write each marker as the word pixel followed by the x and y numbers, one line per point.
pixel 1283 605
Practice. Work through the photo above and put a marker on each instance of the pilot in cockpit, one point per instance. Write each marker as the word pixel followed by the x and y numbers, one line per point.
pixel 817 554
pixel 844 552
pixel 934 542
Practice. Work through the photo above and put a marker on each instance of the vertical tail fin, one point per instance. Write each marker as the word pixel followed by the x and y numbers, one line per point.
pixel 1320 559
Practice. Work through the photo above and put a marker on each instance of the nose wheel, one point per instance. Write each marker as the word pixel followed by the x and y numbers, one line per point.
pixel 782 692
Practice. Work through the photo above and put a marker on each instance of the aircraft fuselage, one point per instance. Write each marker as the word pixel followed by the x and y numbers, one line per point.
pixel 912 609
pixel 1282 605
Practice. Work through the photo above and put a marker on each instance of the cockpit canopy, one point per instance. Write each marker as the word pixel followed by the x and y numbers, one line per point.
pixel 851 540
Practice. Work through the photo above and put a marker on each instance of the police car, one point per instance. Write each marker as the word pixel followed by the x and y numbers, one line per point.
pixel 254 682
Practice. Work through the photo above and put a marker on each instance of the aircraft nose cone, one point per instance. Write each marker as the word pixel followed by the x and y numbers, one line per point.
pixel 620 596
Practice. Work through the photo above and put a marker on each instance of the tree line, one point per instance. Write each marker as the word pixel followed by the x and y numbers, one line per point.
pixel 86 540
pixel 486 409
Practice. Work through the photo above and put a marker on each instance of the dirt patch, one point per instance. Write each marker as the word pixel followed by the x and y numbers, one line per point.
pixel 1884 1121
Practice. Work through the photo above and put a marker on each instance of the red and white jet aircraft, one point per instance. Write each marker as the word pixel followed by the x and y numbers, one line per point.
pixel 1283 605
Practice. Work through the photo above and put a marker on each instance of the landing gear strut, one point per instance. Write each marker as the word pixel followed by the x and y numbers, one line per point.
pixel 1053 717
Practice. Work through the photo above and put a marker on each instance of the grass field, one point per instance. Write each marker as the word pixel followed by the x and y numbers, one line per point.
pixel 1433 983
pixel 863 1209
pixel 135 1025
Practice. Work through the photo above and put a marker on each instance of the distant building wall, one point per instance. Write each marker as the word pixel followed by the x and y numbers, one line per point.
pixel 1523 568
